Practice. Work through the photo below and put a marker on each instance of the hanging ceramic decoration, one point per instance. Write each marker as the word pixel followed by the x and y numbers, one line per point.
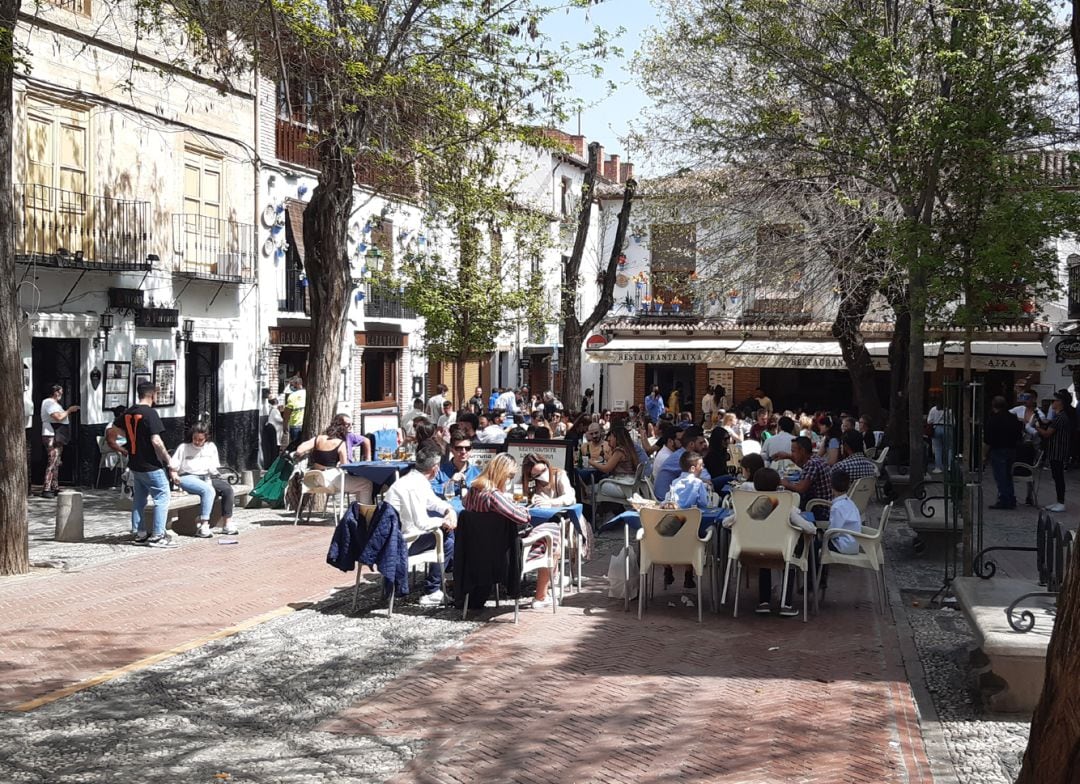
pixel 621 281
pixel 354 232
pixel 268 215
pixel 301 190
pixel 276 229
pixel 279 254
pixel 268 247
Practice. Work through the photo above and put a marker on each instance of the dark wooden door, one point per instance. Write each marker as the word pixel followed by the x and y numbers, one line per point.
pixel 201 385
pixel 55 361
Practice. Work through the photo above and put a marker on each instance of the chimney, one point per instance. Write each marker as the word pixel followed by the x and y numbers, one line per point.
pixel 578 143
pixel 611 168
pixel 626 172
pixel 600 160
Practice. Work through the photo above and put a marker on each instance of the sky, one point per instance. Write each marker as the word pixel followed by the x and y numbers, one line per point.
pixel 606 117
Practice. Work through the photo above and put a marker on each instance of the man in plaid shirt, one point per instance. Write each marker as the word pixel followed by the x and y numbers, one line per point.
pixel 854 463
pixel 814 482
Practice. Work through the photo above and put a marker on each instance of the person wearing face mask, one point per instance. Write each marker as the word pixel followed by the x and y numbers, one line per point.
pixel 546 486
pixel 491 492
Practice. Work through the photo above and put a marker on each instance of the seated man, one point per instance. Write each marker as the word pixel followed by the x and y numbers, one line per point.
pixel 814 482
pixel 778 447
pixel 693 440
pixel 457 471
pixel 853 462
pixel 843 515
pixel 421 512
pixel 688 491
pixel 493 433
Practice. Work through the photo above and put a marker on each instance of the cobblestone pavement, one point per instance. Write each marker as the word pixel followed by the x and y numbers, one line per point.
pixel 981 748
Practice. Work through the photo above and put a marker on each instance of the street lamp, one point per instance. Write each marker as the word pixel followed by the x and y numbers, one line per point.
pixel 185 336
pixel 105 325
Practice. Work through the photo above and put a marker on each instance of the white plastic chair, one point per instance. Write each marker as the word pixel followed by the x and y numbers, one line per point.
pixel 860 492
pixel 684 547
pixel 628 484
pixel 110 459
pixel 433 556
pixel 879 461
pixel 549 560
pixel 735 453
pixel 771 539
pixel 871 554
pixel 751 447
pixel 1028 473
pixel 329 482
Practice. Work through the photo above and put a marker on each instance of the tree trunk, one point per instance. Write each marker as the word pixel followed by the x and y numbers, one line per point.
pixel 571 366
pixel 326 261
pixel 459 395
pixel 846 329
pixel 897 429
pixel 14 545
pixel 915 378
pixel 1053 751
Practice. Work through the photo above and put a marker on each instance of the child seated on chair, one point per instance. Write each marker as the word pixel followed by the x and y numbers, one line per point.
pixel 844 515
pixel 688 490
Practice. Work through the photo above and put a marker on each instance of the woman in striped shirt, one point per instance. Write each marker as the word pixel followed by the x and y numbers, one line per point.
pixel 1057 432
pixel 489 492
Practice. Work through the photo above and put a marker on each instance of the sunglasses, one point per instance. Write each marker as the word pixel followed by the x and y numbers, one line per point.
pixel 462 448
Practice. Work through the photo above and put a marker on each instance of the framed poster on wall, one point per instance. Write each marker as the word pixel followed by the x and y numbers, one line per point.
pixel 724 377
pixel 139 378
pixel 140 358
pixel 117 385
pixel 165 378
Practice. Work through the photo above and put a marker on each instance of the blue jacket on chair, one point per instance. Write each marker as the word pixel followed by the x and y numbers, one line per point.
pixel 376 542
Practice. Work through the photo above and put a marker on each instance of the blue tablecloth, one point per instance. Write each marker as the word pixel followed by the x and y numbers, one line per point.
pixel 632 520
pixel 543 514
pixel 378 472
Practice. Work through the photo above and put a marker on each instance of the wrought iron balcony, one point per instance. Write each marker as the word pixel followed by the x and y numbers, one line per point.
pixel 66 229
pixel 213 248
pixel 380 302
pixel 776 310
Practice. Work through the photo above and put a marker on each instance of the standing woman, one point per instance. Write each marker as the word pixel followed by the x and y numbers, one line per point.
pixel 55 435
pixel 1058 432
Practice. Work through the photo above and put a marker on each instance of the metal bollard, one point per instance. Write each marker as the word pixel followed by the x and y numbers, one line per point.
pixel 69 516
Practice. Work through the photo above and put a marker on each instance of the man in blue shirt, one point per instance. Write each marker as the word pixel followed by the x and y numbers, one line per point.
pixel 688 490
pixel 654 405
pixel 457 470
pixel 693 439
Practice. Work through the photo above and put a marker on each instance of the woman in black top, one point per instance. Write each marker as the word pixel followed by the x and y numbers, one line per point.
pixel 717 458
pixel 326 452
pixel 1058 433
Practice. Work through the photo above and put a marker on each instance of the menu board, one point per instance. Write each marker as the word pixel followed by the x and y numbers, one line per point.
pixel 481 454
pixel 117 385
pixel 554 450
pixel 165 379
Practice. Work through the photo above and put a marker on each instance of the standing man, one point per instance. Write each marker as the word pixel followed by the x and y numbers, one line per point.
pixel 1002 436
pixel 763 400
pixel 295 402
pixel 55 434
pixel 148 461
pixel 476 402
pixel 434 404
pixel 654 405
pixel 507 401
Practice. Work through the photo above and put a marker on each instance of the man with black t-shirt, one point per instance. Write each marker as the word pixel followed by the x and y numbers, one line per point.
pixel 148 461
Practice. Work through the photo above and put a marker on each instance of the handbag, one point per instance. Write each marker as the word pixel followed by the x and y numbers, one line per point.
pixel 61 434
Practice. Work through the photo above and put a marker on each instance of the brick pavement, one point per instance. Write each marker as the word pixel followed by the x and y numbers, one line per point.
pixel 61 628
pixel 592 695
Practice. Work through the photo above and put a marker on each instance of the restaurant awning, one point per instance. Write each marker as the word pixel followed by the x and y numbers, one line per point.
pixel 998 355
pixel 666 350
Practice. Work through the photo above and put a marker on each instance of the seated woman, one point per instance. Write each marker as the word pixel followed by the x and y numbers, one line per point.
pixel 326 452
pixel 730 423
pixel 558 426
pixel 489 493
pixel 115 434
pixel 717 458
pixel 829 448
pixel 199 468
pixel 620 466
pixel 545 485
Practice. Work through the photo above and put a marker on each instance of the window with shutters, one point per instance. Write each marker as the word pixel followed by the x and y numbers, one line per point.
pixel 57 178
pixel 75 6
pixel 380 372
pixel 673 250
pixel 202 208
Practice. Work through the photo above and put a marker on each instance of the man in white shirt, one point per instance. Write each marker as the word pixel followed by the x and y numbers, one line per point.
pixel 422 512
pixel 494 432
pixel 448 415
pixel 507 401
pixel 778 447
pixel 434 404
pixel 669 437
pixel 843 515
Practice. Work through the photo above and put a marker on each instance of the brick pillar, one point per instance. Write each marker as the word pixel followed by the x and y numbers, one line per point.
pixel 639 385
pixel 701 383
pixel 745 380
pixel 404 395
pixel 273 380
pixel 356 370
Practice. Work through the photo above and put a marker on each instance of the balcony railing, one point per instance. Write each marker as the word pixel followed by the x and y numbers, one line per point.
pixel 213 249
pixel 776 310
pixel 293 142
pixel 296 298
pixel 66 229
pixel 380 302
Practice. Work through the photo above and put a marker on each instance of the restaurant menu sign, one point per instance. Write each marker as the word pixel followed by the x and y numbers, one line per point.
pixel 554 450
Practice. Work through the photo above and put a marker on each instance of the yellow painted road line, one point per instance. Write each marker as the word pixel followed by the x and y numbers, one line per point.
pixel 141 664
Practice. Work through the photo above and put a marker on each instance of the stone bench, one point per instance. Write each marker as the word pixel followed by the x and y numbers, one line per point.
pixel 184 509
pixel 926 515
pixel 1011 665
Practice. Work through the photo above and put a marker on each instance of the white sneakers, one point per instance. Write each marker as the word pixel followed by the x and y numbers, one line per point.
pixel 432 599
pixel 1055 508
pixel 203 531
pixel 542 604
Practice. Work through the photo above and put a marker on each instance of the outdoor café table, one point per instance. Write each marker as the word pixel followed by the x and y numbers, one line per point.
pixel 378 472
pixel 544 514
pixel 631 520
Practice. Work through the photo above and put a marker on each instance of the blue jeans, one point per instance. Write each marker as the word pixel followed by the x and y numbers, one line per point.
pixel 207 490
pixel 939 447
pixel 1001 461
pixel 150 484
pixel 426 542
